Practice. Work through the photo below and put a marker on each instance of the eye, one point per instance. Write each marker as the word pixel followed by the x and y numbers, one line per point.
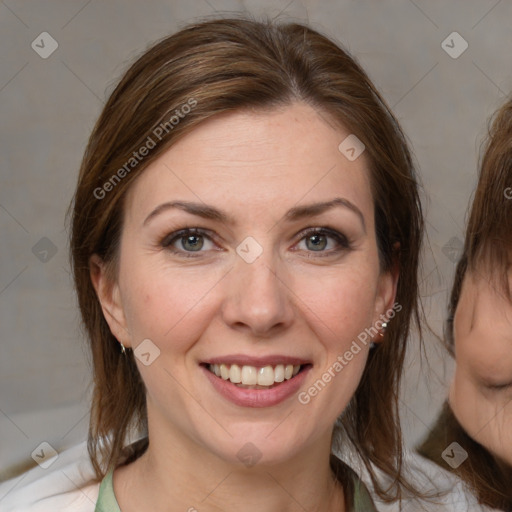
pixel 323 240
pixel 499 387
pixel 493 384
pixel 190 240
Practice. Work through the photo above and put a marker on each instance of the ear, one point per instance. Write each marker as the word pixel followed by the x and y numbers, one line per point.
pixel 385 297
pixel 109 296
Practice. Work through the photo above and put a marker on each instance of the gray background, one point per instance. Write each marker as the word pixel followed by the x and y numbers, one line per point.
pixel 48 108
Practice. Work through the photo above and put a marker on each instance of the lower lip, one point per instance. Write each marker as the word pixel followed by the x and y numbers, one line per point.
pixel 257 397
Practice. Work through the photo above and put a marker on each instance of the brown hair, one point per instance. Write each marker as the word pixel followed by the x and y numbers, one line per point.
pixel 487 249
pixel 488 478
pixel 488 241
pixel 221 66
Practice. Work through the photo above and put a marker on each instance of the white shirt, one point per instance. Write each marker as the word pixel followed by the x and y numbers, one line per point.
pixel 68 486
pixel 428 477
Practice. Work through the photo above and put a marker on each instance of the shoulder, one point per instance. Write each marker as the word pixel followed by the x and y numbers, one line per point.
pixel 447 492
pixel 67 484
pixel 444 491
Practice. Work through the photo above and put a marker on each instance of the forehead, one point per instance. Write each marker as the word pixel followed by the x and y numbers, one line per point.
pixel 257 159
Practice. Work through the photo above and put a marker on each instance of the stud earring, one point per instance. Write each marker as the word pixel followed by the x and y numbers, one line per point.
pixel 381 334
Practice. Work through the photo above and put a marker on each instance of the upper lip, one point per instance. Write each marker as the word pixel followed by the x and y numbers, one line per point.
pixel 261 361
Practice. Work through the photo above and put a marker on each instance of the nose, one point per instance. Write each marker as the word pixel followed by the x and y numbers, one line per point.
pixel 257 300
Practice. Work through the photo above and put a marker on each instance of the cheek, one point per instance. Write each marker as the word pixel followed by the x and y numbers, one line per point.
pixel 486 419
pixel 173 306
pixel 464 401
pixel 498 435
pixel 163 305
pixel 341 302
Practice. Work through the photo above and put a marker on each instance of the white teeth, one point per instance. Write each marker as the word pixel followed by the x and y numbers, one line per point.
pixel 224 372
pixel 249 375
pixel 279 373
pixel 266 376
pixel 252 375
pixel 235 374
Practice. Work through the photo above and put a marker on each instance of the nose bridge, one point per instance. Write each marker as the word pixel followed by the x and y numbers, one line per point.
pixel 257 297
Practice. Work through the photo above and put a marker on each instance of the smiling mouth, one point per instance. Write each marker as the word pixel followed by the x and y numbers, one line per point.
pixel 253 377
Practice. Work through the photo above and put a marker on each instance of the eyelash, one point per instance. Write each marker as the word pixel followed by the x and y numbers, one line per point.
pixel 341 239
pixel 501 387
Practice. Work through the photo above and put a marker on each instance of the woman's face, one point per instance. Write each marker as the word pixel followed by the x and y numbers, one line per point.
pixel 481 392
pixel 279 269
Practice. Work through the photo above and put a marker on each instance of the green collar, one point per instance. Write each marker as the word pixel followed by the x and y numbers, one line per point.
pixel 107 499
pixel 359 499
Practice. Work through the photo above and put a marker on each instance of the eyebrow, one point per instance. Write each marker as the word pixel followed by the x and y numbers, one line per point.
pixel 294 214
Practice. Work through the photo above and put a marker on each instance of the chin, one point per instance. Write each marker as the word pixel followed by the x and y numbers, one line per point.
pixel 259 446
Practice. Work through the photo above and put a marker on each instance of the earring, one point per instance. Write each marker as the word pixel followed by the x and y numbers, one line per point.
pixel 123 349
pixel 381 334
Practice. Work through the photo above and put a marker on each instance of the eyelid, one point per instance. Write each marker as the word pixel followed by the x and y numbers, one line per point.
pixel 180 233
pixel 168 241
pixel 502 386
pixel 497 387
pixel 342 240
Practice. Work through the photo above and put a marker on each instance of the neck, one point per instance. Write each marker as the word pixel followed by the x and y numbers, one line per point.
pixel 175 470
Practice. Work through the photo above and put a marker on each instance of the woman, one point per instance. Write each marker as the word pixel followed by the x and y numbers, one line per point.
pixel 478 415
pixel 245 239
